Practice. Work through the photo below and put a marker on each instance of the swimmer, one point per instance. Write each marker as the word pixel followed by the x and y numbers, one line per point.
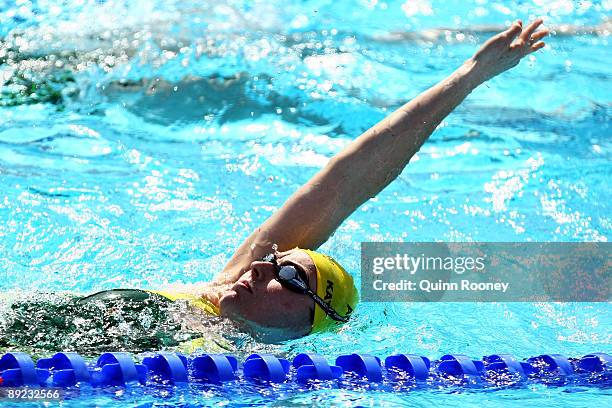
pixel 276 286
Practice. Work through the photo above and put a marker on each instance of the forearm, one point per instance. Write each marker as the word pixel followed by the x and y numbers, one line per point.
pixel 379 155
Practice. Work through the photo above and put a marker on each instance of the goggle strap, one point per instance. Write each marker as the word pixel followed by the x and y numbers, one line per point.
pixel 327 308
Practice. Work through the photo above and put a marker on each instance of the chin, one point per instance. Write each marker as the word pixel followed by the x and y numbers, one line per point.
pixel 227 304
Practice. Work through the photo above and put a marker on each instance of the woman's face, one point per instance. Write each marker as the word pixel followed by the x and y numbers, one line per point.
pixel 259 302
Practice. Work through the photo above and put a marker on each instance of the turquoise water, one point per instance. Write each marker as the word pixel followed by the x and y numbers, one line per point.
pixel 142 141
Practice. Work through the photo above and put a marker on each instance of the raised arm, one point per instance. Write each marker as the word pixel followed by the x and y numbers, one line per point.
pixel 369 163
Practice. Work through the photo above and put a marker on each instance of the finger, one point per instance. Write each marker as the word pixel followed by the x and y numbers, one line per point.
pixel 510 34
pixel 530 29
pixel 537 46
pixel 538 36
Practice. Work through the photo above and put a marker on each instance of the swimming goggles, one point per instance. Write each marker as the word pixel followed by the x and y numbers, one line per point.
pixel 290 278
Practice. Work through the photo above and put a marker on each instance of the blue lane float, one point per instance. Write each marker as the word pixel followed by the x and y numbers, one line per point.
pixel 69 369
pixel 311 366
pixel 408 365
pixel 552 362
pixel 214 368
pixel 167 367
pixel 460 365
pixel 266 367
pixel 364 365
pixel 595 362
pixel 507 363
pixel 118 369
pixel 17 370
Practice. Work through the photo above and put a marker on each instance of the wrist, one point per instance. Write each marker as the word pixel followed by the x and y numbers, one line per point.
pixel 471 73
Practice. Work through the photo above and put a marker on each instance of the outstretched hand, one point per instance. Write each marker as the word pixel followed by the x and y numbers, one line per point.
pixel 507 48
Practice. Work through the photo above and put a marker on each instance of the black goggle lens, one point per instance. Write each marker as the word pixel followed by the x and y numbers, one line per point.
pixel 289 277
pixel 288 273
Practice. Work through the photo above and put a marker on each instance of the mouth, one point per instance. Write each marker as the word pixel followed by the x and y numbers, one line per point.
pixel 246 285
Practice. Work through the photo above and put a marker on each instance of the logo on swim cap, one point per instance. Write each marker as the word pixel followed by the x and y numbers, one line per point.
pixel 349 310
pixel 329 292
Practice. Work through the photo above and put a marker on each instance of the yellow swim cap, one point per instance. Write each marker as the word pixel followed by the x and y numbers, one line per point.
pixel 192 299
pixel 335 286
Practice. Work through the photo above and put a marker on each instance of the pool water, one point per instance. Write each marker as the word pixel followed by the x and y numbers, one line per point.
pixel 142 141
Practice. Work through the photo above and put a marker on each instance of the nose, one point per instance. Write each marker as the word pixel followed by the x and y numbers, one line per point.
pixel 262 271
